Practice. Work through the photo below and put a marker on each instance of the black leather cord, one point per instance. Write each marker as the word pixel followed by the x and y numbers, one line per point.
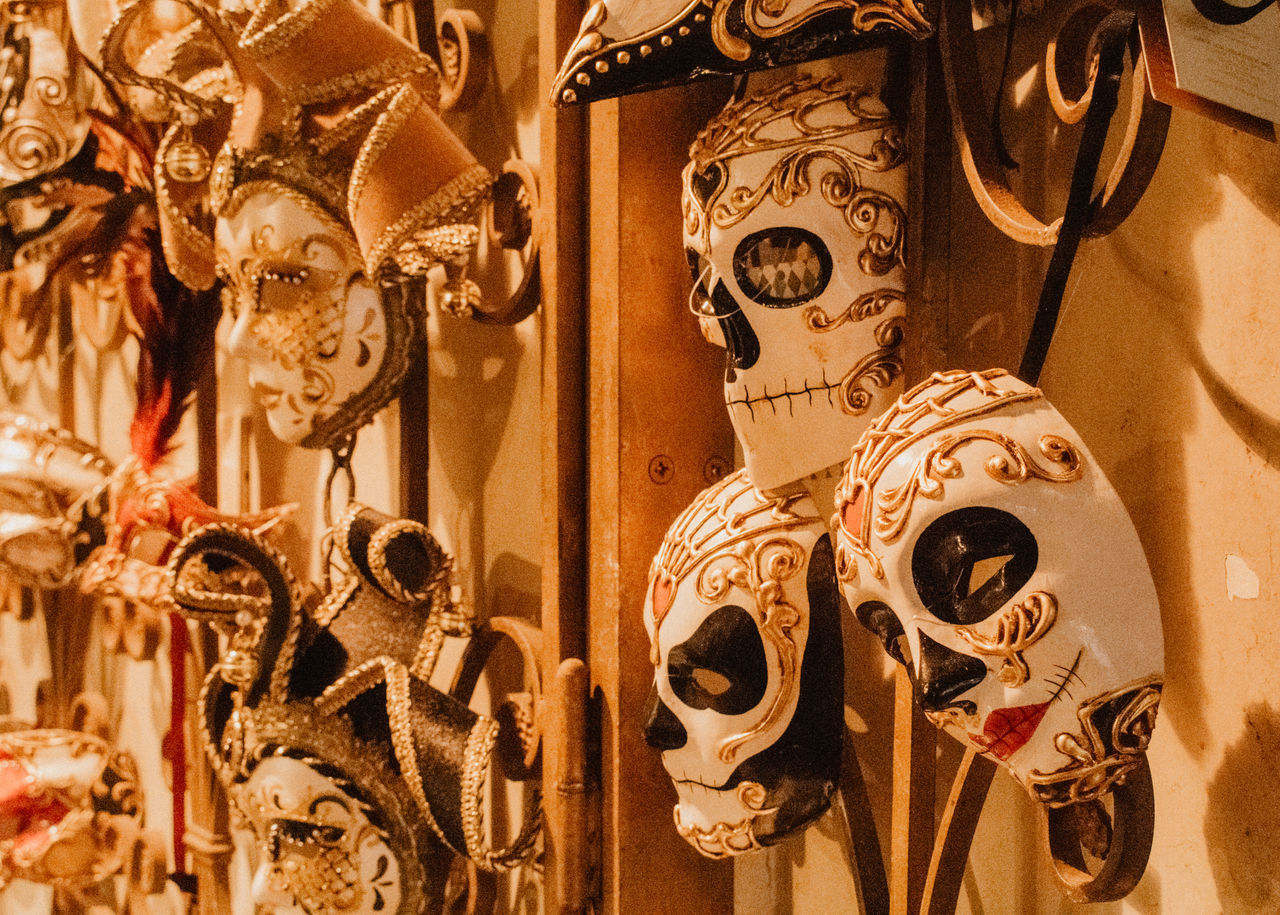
pixel 1113 36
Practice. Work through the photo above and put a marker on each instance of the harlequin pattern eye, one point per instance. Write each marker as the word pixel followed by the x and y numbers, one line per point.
pixel 782 267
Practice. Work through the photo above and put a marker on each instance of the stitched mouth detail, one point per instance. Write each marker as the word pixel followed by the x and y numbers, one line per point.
pixel 824 388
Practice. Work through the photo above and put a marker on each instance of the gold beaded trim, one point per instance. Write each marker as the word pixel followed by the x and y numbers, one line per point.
pixel 456 202
pixel 403 103
pixel 270 38
pixel 184 231
pixel 373 77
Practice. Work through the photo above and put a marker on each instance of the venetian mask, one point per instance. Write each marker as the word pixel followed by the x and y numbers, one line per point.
pixel 53 501
pixel 356 775
pixel 632 45
pixel 793 225
pixel 315 332
pixel 980 540
pixel 743 621
pixel 69 806
pixel 319 844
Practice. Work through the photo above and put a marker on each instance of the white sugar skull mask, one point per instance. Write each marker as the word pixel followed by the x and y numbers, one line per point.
pixel 980 540
pixel 743 621
pixel 793 225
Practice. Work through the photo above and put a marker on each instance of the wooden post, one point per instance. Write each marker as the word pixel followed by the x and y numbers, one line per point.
pixel 659 434
pixel 561 225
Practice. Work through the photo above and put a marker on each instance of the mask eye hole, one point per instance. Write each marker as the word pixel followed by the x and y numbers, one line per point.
pixel 722 665
pixel 712 682
pixel 969 563
pixel 782 267
pixel 984 570
pixel 880 619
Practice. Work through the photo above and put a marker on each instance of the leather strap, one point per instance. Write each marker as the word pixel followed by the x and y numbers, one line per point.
pixel 1113 36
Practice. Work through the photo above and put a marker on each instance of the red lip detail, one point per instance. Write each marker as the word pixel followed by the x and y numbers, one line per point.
pixel 1007 730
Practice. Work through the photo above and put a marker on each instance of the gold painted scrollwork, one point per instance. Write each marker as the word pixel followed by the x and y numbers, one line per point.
pixel 1011 464
pixel 880 367
pixel 768 18
pixel 1115 729
pixel 1024 624
pixel 760 568
pixel 868 305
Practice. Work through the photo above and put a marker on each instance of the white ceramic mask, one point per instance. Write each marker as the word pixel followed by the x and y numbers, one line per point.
pixel 318 850
pixel 743 620
pixel 793 224
pixel 311 327
pixel 632 45
pixel 980 540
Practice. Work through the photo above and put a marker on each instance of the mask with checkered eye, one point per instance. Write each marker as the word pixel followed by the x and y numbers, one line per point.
pixel 744 627
pixel 793 229
pixel 979 540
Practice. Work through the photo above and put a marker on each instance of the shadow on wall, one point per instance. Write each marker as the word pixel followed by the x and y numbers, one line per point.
pixel 1242 826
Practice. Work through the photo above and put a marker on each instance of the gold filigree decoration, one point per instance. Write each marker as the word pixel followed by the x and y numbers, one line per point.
pixel 710 526
pixel 1014 465
pixel 880 367
pixel 768 18
pixel 868 305
pixel 723 840
pixel 813 113
pixel 1115 731
pixel 760 568
pixel 911 419
pixel 1021 626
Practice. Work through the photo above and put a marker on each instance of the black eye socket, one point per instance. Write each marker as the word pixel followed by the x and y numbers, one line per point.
pixel 722 665
pixel 879 617
pixel 782 267
pixel 970 562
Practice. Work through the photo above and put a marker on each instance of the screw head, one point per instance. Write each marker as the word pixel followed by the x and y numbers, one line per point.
pixel 662 469
pixel 715 469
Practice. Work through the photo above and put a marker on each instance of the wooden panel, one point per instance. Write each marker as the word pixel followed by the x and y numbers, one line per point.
pixel 658 425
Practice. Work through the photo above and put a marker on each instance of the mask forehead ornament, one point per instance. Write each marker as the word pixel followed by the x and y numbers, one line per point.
pixel 743 624
pixel 625 47
pixel 794 228
pixel 979 539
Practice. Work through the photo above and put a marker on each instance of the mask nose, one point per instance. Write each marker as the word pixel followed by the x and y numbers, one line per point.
pixel 944 675
pixel 662 729
pixel 740 340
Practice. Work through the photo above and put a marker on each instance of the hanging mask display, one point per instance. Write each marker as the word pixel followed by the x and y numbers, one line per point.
pixel 53 501
pixel 794 226
pixel 70 808
pixel 979 539
pixel 743 619
pixel 354 774
pixel 337 189
pixel 625 47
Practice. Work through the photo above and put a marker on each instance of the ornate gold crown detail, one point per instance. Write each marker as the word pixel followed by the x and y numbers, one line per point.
pixel 715 522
